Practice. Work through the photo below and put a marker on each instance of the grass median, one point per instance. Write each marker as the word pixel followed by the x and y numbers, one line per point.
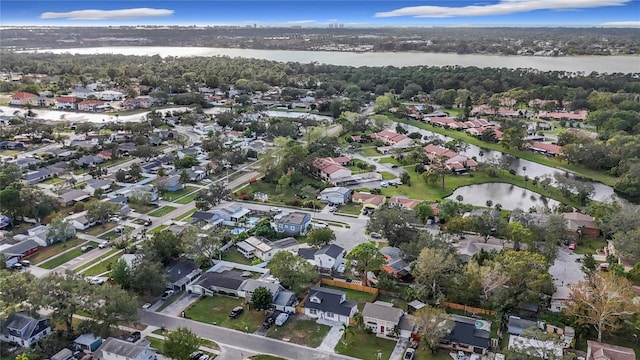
pixel 162 211
pixel 68 256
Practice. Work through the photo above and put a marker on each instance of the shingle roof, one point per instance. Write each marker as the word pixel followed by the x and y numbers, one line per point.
pixel 382 312
pixel 331 250
pixel 121 348
pixel 329 301
pixel 229 279
pixel 284 243
pixel 307 253
pixel 465 332
pixel 21 247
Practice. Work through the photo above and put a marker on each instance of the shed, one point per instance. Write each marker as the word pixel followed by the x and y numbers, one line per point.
pixel 88 342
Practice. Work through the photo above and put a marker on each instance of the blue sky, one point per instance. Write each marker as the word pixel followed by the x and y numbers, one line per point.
pixel 321 13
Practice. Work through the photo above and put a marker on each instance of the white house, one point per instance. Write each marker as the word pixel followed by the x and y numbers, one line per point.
pixel 385 320
pixel 80 221
pixel 328 257
pixel 116 349
pixel 263 249
pixel 22 329
pixel 536 348
pixel 335 195
pixel 109 95
pixel 329 304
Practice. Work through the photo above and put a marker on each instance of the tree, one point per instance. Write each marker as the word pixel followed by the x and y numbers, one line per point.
pixel 181 343
pixel 213 196
pixel 424 211
pixel 65 294
pixel 262 298
pixel 135 170
pixel 320 237
pixel 519 234
pixel 393 223
pixel 601 301
pixel 433 324
pixel 437 170
pixel 101 210
pixel 60 230
pixel 347 331
pixel 293 271
pixel 148 277
pixel 121 273
pixel 539 345
pixel 164 246
pixel 17 288
pixel 202 243
pixel 384 103
pixel 111 306
pixel 433 269
pixel 368 258
pixel 411 249
pixel 513 138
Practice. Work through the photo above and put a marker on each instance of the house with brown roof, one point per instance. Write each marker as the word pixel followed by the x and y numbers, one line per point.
pixel 21 98
pixel 455 162
pixel 91 105
pixel 66 103
pixel 404 202
pixel 368 200
pixel 545 148
pixel 392 138
pixel 586 223
pixel 332 169
pixel 601 351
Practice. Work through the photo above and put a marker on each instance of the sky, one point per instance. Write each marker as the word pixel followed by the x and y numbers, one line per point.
pixel 321 13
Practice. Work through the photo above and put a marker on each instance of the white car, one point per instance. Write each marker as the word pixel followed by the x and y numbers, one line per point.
pixel 146 305
pixel 341 269
pixel 96 281
pixel 275 209
pixel 103 245
pixel 281 319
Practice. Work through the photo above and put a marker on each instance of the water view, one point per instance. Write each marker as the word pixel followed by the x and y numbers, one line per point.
pixel 507 195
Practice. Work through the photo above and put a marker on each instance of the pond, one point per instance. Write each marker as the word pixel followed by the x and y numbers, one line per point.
pixel 507 195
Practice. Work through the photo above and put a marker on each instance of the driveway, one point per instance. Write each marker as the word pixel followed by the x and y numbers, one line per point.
pixel 180 304
pixel 397 352
pixel 565 270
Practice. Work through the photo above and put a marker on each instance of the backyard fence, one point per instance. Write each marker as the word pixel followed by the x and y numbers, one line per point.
pixel 469 309
pixel 349 285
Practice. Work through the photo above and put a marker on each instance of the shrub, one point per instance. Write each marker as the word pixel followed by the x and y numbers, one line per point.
pixel 294 202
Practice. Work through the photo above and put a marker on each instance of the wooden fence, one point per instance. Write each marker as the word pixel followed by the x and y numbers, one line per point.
pixel 469 309
pixel 349 285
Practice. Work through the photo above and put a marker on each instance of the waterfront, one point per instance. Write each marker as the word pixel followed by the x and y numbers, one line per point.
pixel 507 195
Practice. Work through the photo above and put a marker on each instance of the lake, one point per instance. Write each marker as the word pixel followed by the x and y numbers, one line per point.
pixel 586 64
pixel 507 195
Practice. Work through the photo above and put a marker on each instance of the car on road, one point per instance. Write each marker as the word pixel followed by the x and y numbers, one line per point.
pixel 375 235
pixel 146 306
pixel 275 209
pixel 134 337
pixel 394 166
pixel 408 355
pixel 148 222
pixel 119 229
pixel 103 244
pixel 86 248
pixel 236 312
pixel 167 294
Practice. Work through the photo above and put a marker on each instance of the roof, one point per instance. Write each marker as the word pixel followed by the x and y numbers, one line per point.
pixel 516 322
pixel 251 285
pixel 21 320
pixel 21 248
pixel 416 304
pixel 341 190
pixel 121 348
pixel 329 301
pixel 331 250
pixel 23 95
pixel 307 253
pixel 285 243
pixel 228 279
pixel 96 183
pixel 367 198
pixel 391 252
pixel 31 175
pixel 296 218
pixel 597 351
pixel 382 312
pixel 245 246
pixel 576 219
pixel 77 195
pixel 202 215
pixel 546 147
pixel 85 339
pixel 180 268
pixel 406 202
pixel 465 331
pixel 259 243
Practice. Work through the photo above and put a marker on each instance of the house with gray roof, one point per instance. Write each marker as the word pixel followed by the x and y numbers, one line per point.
pixel 21 329
pixel 385 320
pixel 23 163
pixel 34 177
pixel 181 273
pixel 225 281
pixel 335 195
pixel 19 251
pixel 89 160
pixel 326 259
pixel 265 250
pixel 329 304
pixel 73 196
pixel 469 335
pixel 517 325
pixel 116 349
pixel 295 222
pixel 94 184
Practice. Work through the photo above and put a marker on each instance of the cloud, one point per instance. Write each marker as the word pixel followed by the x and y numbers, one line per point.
pixel 622 23
pixel 502 7
pixel 107 14
pixel 301 22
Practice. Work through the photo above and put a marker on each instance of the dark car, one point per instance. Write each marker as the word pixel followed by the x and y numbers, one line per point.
pixel 236 312
pixel 271 319
pixel 148 222
pixel 134 337
pixel 196 355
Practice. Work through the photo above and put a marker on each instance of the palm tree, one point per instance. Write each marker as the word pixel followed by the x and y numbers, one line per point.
pixel 347 331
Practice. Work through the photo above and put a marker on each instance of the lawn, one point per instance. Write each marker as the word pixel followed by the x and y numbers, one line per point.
pixel 162 211
pixel 174 195
pixel 59 260
pixel 425 354
pixel 365 346
pixel 114 235
pixel 351 208
pixel 186 216
pixel 298 331
pixel 100 265
pixel 234 255
pixel 189 198
pixel 369 151
pixel 53 181
pixel 590 246
pixel 49 251
pixel 215 310
pixel 157 229
pixel 307 190
pixel 156 343
pixel 99 229
pixel 358 296
pixel 389 160
pixel 142 208
pixel 387 175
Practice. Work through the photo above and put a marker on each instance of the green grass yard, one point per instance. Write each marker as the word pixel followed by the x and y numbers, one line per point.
pixel 100 229
pixel 186 216
pixel 189 198
pixel 53 250
pixel 298 331
pixel 234 255
pixel 157 229
pixel 387 175
pixel 389 160
pixel 102 266
pixel 399 303
pixel 350 208
pixel 162 211
pixel 369 151
pixel 365 346
pixel 215 310
pixel 590 246
pixel 59 260
pixel 174 195
pixel 53 181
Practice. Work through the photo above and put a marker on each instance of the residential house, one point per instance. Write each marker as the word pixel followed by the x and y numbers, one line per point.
pixel 91 105
pixel 368 200
pixel 23 162
pixel 231 214
pixel 20 251
pixel 469 335
pixel 140 102
pixel 535 348
pixel 404 202
pixel 601 351
pixel 87 342
pixel 80 221
pixel 82 93
pixel 206 216
pixel 66 103
pixel 392 138
pixel 335 195
pixel 329 304
pixel 181 273
pixel 517 325
pixel 34 177
pixel 95 184
pixel 23 330
pixel 221 281
pixel 250 285
pixel 263 249
pixel 41 101
pixel 122 202
pixel 116 349
pixel 110 95
pixel 332 169
pixel 385 320
pixel 170 183
pixel 188 152
pixel 139 190
pixel 295 222
pixel 89 160
pixel 38 234
pixel 21 98
pixel 394 263
pixel 545 148
pixel 11 145
pixel 559 298
pixel 73 196
pixel 583 222
pixel 454 161
pixel 330 256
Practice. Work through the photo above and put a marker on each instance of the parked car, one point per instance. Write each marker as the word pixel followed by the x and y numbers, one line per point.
pixel 96 281
pixel 146 305
pixel 394 166
pixel 333 208
pixel 375 235
pixel 25 263
pixel 148 222
pixel 195 355
pixel 384 184
pixel 86 248
pixel 275 209
pixel 167 294
pixel 341 269
pixel 236 312
pixel 204 357
pixel 119 229
pixel 281 319
pixel 17 266
pixel 134 337
pixel 271 319
pixel 114 218
pixel 103 244
pixel 408 355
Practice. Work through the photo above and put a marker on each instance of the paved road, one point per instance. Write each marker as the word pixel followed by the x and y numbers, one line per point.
pixel 239 340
